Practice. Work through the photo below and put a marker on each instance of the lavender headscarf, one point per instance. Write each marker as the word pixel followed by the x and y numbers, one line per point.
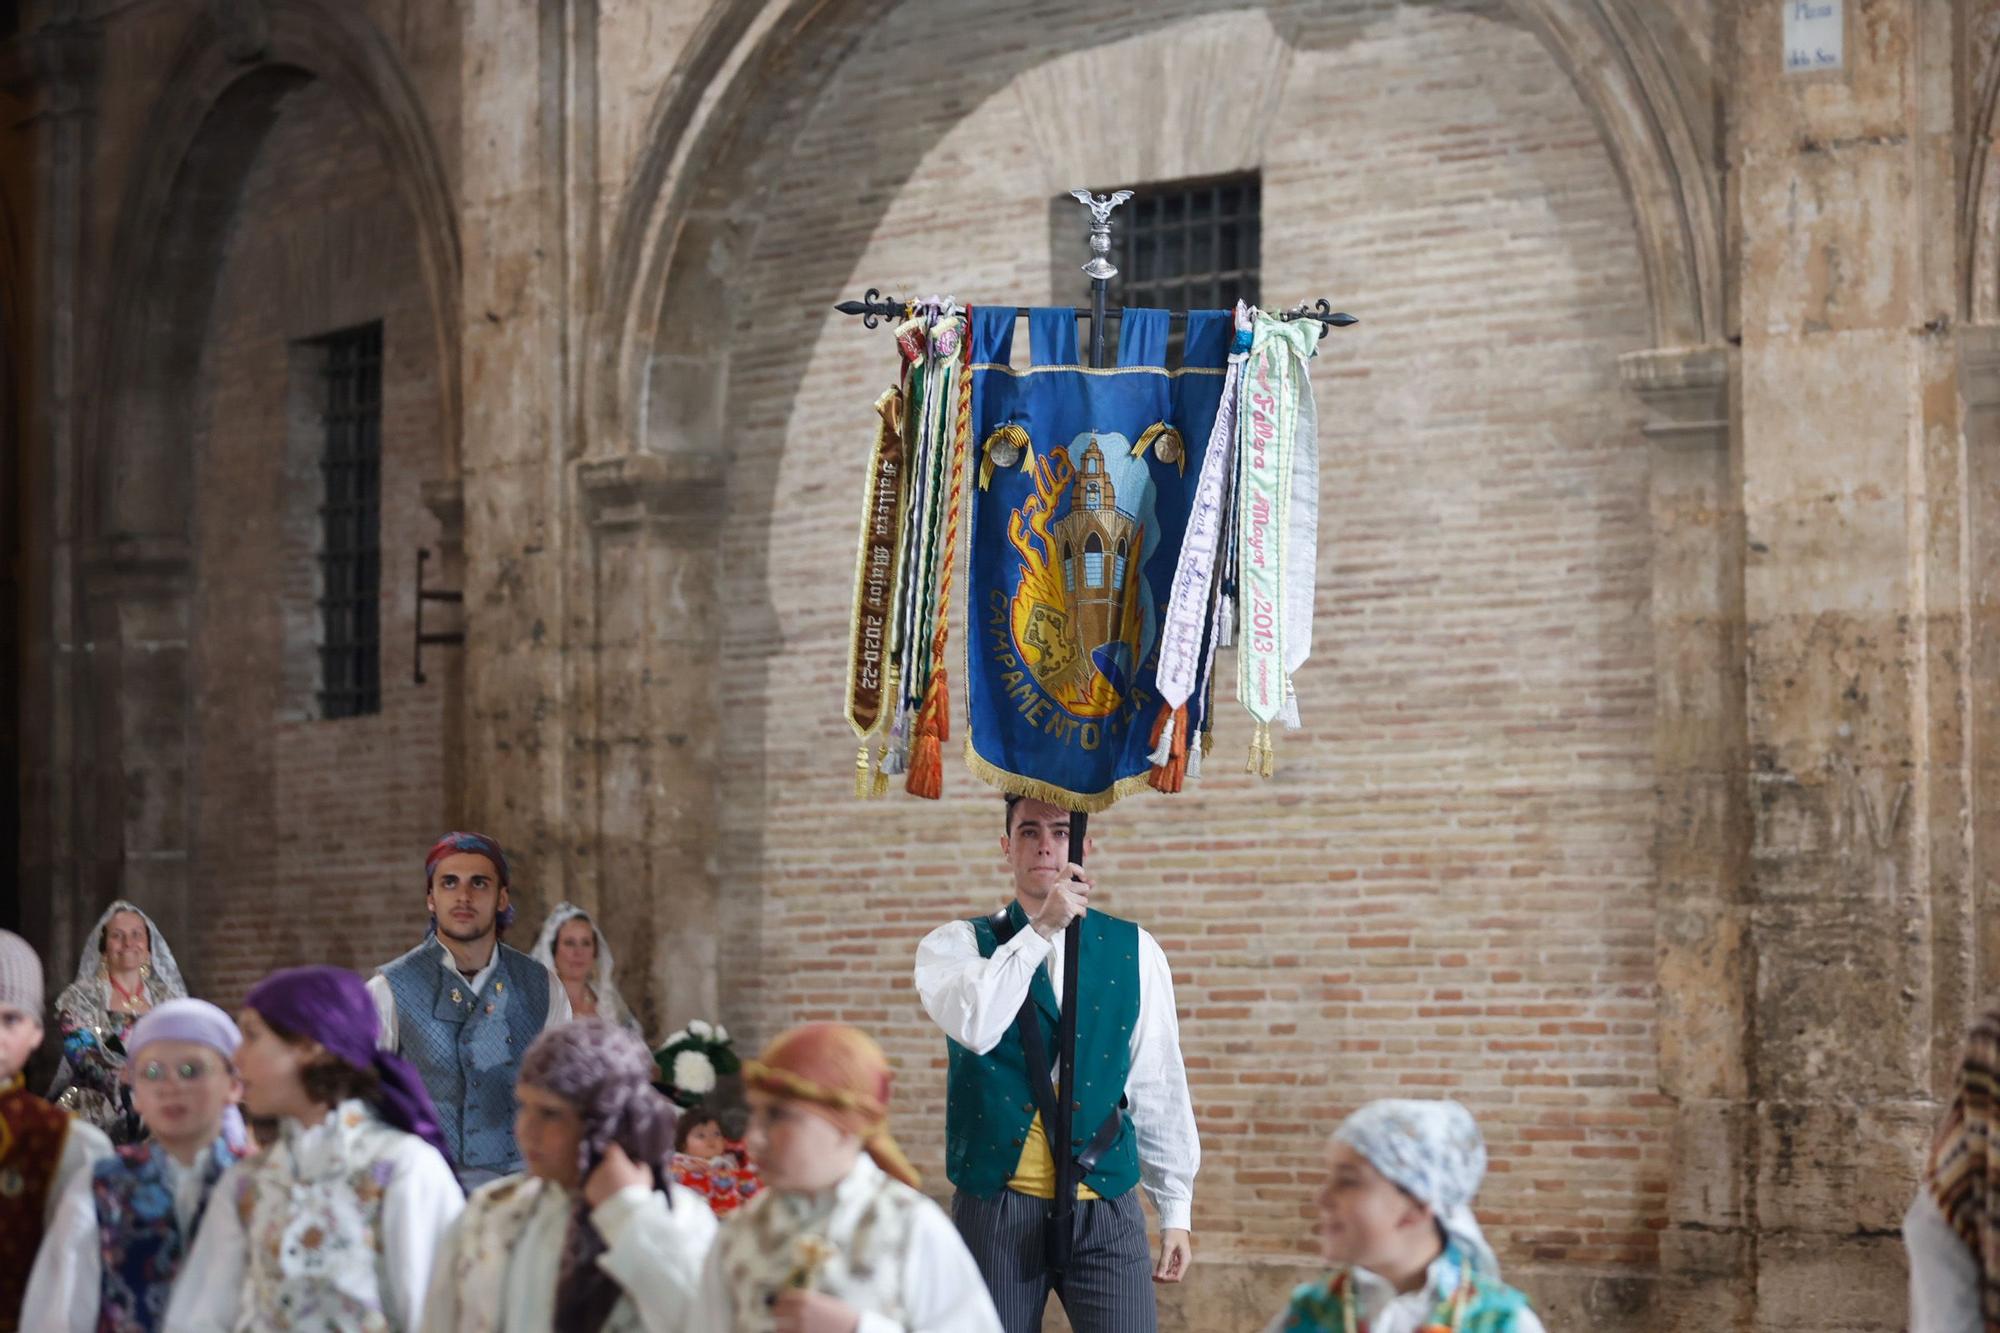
pixel 606 1073
pixel 331 1006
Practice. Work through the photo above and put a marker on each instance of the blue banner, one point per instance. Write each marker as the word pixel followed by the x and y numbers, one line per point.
pixel 1086 477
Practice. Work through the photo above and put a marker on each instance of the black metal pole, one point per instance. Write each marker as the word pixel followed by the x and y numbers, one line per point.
pixel 1062 1134
pixel 874 308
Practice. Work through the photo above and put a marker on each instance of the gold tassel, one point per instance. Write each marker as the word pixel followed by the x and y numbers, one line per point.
pixel 1263 759
pixel 861 783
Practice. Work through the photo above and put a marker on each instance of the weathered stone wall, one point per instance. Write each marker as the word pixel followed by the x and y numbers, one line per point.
pixel 326 820
pixel 1645 797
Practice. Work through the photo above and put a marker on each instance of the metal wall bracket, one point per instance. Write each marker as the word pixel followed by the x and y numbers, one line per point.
pixel 430 595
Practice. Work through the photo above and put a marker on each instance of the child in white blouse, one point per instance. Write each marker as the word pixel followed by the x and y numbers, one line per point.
pixel 334 1227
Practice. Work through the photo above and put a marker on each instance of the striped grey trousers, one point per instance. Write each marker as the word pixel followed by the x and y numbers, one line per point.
pixel 1109 1286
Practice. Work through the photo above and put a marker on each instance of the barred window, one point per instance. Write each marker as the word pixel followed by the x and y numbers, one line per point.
pixel 1189 245
pixel 350 556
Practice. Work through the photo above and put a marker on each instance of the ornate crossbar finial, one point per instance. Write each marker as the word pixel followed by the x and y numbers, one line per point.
pixel 1100 206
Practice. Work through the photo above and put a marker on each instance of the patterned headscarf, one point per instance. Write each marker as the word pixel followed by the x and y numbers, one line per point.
pixel 606 1073
pixel 1432 1151
pixel 840 1073
pixel 86 999
pixel 1963 1173
pixel 478 844
pixel 610 1003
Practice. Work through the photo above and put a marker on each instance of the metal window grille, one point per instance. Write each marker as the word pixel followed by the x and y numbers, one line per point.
pixel 350 558
pixel 1189 245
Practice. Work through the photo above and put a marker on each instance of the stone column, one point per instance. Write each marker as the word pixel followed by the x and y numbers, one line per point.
pixel 1979 380
pixel 518 434
pixel 1855 613
pixel 1707 1253
pixel 69 848
pixel 650 724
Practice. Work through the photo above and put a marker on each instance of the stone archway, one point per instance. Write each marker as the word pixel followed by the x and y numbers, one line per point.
pixel 225 89
pixel 671 217
pixel 682 239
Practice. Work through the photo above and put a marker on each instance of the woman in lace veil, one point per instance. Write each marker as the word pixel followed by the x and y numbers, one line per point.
pixel 572 947
pixel 125 970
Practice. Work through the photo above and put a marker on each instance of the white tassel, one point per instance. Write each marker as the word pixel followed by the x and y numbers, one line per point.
pixel 1225 623
pixel 896 761
pixel 1164 751
pixel 1194 757
pixel 1288 713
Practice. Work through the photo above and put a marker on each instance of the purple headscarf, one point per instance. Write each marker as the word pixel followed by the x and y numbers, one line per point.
pixel 331 1006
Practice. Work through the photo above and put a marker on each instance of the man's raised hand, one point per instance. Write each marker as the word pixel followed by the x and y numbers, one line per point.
pixel 1068 901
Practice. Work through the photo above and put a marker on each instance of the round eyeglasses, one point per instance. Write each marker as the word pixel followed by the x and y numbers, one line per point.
pixel 187 1071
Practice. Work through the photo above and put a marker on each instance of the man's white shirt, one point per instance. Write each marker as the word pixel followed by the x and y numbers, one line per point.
pixel 385 999
pixel 975 1000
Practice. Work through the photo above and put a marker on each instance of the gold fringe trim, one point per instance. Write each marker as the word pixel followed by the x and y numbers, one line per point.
pixel 1016 784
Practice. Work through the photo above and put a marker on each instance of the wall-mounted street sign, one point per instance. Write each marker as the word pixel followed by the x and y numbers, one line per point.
pixel 1815 36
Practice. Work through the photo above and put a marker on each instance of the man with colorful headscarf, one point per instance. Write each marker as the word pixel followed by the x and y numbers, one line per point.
pixel 840 1240
pixel 463 1007
pixel 1396 1221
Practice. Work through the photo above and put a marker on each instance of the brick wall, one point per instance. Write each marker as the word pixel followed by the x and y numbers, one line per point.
pixel 1447 890
pixel 311 833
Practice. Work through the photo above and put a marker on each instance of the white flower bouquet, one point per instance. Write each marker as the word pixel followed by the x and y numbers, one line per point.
pixel 692 1059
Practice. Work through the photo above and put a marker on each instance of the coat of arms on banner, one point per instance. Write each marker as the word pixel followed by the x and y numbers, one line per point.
pixel 1082 619
pixel 1084 486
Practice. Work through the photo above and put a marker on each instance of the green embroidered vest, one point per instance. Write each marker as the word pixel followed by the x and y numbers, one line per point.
pixel 989 1104
pixel 1495 1307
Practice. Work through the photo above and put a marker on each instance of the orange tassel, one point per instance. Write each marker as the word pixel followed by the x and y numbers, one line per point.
pixel 1171 775
pixel 926 775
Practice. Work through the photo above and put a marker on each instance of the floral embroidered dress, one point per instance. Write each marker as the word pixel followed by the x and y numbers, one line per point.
pixel 499 1267
pixel 332 1229
pixel 872 1241
pixel 1453 1298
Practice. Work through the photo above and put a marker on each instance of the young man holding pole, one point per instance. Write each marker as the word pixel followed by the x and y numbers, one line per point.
pixel 995 986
